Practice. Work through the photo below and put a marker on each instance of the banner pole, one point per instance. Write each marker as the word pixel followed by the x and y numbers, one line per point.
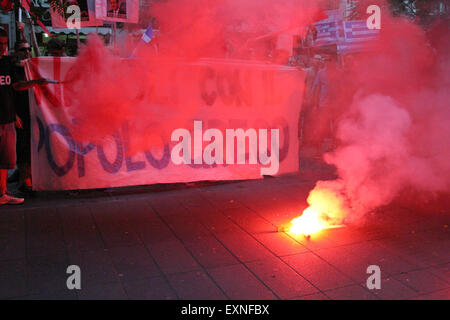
pixel 114 35
pixel 20 23
pixel 33 35
pixel 78 39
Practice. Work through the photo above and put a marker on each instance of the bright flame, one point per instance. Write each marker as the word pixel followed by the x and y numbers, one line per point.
pixel 326 210
pixel 309 222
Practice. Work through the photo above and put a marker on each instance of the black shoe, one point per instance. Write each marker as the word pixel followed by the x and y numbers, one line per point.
pixel 25 190
pixel 14 177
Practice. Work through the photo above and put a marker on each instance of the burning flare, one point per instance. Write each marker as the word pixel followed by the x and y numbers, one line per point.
pixel 309 222
pixel 326 211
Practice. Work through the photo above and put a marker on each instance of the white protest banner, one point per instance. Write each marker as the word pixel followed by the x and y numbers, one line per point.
pixel 66 15
pixel 117 10
pixel 253 103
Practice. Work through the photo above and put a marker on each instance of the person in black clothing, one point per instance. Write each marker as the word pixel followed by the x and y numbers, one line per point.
pixel 8 117
pixel 56 47
pixel 22 52
pixel 7 120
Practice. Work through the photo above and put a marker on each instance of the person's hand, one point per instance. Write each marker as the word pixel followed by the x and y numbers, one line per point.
pixel 19 123
pixel 20 26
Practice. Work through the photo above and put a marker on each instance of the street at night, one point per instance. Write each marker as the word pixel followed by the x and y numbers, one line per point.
pixel 225 159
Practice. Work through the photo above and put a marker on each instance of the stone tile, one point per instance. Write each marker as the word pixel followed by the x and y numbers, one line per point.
pixel 423 281
pixel 374 254
pixel 12 245
pixel 80 231
pixel 133 263
pixel 153 231
pixel 280 244
pixel 137 211
pixel 194 200
pixel 278 214
pixel 115 229
pixel 437 295
pixel 354 292
pixel 392 289
pixel 155 288
pixel 442 272
pixel 186 228
pixel 343 261
pixel 222 200
pixel 168 205
pixel 195 285
pixel 240 284
pixel 47 274
pixel 314 296
pixel 172 257
pixel 13 278
pixel 425 259
pixel 249 220
pixel 279 277
pixel 244 247
pixel 317 271
pixel 415 250
pixel 203 210
pixel 314 242
pixel 96 267
pixel 436 234
pixel 44 234
pixel 346 235
pixel 107 291
pixel 12 221
pixel 358 257
pixel 219 224
pixel 210 253
pixel 59 295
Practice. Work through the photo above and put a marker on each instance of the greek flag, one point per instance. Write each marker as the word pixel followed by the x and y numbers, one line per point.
pixel 356 36
pixel 326 33
pixel 328 30
pixel 348 36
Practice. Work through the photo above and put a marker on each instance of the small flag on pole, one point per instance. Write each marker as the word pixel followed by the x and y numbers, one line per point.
pixel 148 34
pixel 147 37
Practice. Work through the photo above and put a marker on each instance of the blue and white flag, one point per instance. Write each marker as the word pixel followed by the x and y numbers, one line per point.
pixel 328 29
pixel 348 36
pixel 356 36
pixel 146 38
pixel 148 34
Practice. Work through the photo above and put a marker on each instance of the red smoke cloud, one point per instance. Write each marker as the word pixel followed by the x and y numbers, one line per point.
pixel 108 90
pixel 391 102
pixel 393 124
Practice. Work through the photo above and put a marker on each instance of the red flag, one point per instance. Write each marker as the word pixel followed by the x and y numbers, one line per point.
pixel 25 4
pixel 6 5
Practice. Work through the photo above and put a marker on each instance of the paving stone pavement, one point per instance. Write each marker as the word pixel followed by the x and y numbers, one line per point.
pixel 215 241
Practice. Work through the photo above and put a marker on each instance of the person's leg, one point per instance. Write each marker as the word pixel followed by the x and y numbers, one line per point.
pixel 24 157
pixel 3 178
pixel 24 174
pixel 7 161
pixel 3 159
